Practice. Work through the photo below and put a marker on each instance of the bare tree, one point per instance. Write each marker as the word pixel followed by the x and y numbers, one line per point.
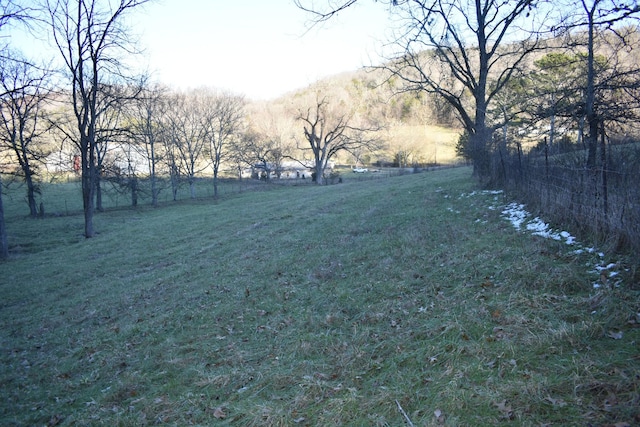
pixel 264 150
pixel 222 117
pixel 185 142
pixel 13 11
pixel 269 139
pixel 114 136
pixel 146 115
pixel 602 19
pixel 171 158
pixel 330 129
pixel 9 11
pixel 464 51
pixel 90 36
pixel 4 243
pixel 25 91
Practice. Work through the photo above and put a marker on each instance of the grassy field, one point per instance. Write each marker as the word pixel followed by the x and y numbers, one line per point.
pixel 429 144
pixel 390 302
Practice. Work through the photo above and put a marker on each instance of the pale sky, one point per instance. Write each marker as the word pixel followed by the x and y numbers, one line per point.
pixel 260 48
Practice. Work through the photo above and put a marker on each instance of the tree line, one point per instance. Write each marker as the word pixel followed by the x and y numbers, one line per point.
pixel 475 54
pixel 497 67
pixel 113 123
pixel 560 75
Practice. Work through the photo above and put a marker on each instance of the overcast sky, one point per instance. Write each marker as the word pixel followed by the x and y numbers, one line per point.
pixel 260 48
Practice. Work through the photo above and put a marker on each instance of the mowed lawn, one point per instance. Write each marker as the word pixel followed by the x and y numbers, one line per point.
pixel 401 301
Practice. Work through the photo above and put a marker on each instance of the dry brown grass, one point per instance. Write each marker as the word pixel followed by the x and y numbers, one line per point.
pixel 428 144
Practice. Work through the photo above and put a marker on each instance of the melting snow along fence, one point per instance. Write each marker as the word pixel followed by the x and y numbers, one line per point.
pixel 604 201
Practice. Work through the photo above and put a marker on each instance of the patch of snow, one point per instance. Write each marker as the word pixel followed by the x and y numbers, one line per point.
pixel 517 215
pixel 600 268
pixel 481 193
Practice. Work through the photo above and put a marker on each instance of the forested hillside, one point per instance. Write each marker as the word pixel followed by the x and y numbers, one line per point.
pixel 418 129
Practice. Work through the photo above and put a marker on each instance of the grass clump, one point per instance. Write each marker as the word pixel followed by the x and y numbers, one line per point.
pixel 331 305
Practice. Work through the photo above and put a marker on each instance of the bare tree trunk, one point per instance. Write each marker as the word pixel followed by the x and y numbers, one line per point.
pixel 89 37
pixel 590 114
pixel 31 192
pixel 149 110
pixel 174 177
pixel 4 245
pixel 192 187
pixel 88 193
pixel 581 133
pixel 133 182
pixel 605 189
pixel 98 180
pixel 174 187
pixel 154 190
pixel 216 169
pixel 552 132
pixel 319 172
pixel 153 178
pixel 546 174
pixel 215 183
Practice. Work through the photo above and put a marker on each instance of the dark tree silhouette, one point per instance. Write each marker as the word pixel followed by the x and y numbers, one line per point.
pixel 456 49
pixel 90 38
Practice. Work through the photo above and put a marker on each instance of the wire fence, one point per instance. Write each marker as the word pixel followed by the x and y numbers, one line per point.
pixel 603 201
pixel 62 196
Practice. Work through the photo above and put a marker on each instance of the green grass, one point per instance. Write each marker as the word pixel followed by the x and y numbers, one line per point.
pixel 308 305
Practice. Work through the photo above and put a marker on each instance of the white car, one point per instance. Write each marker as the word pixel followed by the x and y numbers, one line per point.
pixel 360 170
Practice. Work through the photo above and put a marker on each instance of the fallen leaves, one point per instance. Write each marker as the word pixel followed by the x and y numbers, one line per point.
pixel 634 320
pixel 219 413
pixel 499 333
pixel 487 283
pixel 55 420
pixel 558 403
pixel 505 410
pixel 616 335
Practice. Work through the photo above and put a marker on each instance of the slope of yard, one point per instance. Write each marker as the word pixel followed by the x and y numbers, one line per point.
pixel 384 302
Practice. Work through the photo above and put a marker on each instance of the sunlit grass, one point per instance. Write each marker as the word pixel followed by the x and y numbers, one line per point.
pixel 311 306
pixel 430 144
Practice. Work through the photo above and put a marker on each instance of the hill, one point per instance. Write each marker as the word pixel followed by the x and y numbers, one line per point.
pixel 419 129
pixel 415 121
